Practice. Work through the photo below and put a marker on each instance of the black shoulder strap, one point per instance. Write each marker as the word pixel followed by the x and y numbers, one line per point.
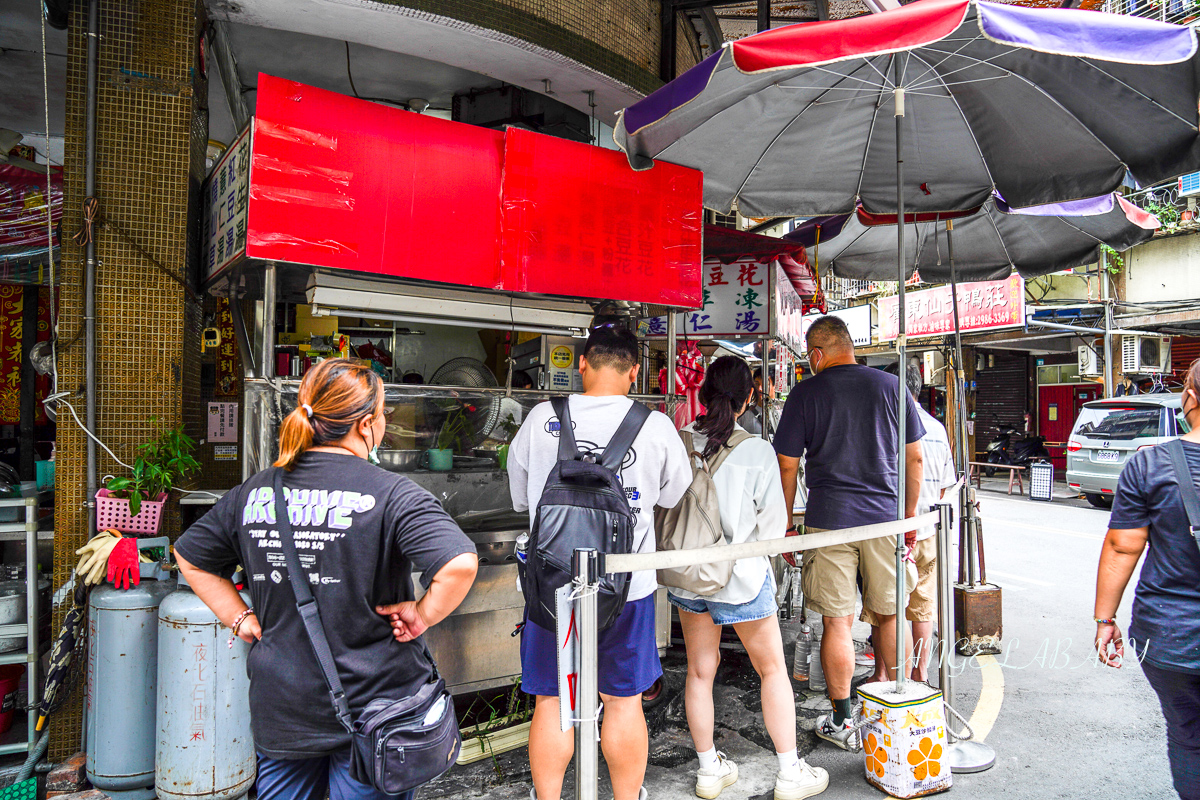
pixel 623 438
pixel 306 604
pixel 567 449
pixel 1187 487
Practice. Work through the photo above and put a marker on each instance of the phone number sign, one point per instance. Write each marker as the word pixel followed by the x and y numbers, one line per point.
pixel 982 306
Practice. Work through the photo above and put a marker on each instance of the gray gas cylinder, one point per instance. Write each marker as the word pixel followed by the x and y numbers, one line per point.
pixel 205 749
pixel 122 691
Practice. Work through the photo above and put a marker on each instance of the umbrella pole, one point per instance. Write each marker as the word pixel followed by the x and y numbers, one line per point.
pixel 960 421
pixel 901 417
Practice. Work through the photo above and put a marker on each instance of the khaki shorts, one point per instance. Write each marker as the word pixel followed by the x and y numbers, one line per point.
pixel 828 576
pixel 922 603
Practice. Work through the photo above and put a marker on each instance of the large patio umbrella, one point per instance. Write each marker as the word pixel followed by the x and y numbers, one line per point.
pixel 1038 105
pixel 988 244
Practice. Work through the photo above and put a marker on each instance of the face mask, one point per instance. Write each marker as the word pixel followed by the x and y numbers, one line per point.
pixel 814 365
pixel 373 453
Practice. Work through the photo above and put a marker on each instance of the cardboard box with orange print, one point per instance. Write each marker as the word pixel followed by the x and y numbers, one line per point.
pixel 904 740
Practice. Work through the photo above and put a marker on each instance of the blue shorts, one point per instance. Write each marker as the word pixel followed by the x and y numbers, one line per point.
pixel 628 653
pixel 760 607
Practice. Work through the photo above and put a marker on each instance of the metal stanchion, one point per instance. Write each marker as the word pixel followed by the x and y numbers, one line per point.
pixel 963 754
pixel 587 757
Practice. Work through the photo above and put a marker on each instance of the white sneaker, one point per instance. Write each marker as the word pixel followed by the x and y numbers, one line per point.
pixel 710 784
pixel 800 782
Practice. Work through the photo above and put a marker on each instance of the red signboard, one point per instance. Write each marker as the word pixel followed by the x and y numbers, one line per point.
pixel 984 305
pixel 578 221
pixel 348 184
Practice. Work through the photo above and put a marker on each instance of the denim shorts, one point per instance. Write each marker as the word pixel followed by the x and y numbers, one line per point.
pixel 760 607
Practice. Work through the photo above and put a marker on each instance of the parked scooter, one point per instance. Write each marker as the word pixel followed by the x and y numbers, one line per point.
pixel 1014 448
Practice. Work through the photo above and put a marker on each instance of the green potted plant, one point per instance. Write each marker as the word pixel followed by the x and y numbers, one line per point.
pixel 134 504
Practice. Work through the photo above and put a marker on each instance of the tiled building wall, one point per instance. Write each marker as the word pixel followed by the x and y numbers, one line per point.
pixel 150 129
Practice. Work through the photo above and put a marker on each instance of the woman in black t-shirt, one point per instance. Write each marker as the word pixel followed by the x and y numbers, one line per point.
pixel 1165 630
pixel 361 531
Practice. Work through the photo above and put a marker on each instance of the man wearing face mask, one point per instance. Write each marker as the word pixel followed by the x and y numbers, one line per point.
pixel 843 422
pixel 1150 507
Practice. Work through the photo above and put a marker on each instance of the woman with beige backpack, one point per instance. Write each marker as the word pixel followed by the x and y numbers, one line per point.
pixel 748 493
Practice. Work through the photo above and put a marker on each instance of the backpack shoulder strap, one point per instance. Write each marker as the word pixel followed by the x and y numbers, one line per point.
pixel 1187 486
pixel 567 449
pixel 626 432
pixel 735 438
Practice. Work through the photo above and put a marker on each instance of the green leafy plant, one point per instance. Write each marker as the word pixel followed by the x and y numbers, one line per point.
pixel 162 463
pixel 457 431
pixel 1167 212
pixel 1113 261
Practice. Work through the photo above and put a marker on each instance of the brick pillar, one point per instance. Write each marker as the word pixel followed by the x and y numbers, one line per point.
pixel 151 131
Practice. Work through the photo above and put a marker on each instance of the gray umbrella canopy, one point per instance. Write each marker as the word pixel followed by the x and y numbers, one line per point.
pixel 988 245
pixel 1039 105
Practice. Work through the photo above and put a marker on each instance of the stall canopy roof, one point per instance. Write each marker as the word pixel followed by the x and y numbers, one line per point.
pixel 728 245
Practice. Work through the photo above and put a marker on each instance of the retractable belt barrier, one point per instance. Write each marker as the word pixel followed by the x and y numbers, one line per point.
pixel 588 565
pixel 671 559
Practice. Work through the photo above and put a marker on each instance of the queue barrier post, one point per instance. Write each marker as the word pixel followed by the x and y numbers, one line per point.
pixel 586 568
pixel 963 754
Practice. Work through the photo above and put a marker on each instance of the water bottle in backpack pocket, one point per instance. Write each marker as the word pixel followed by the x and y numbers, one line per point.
pixel 583 505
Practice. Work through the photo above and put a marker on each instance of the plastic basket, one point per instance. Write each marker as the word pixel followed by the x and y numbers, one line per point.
pixel 113 513
pixel 25 790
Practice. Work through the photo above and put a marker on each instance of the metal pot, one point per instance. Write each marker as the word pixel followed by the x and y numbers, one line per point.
pixel 400 460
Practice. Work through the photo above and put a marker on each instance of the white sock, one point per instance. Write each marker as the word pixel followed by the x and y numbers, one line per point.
pixel 708 759
pixel 789 761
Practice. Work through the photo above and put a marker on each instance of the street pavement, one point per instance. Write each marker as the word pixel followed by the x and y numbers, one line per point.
pixel 1062 725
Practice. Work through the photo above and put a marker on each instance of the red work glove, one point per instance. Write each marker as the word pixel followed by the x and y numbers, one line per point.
pixel 123 564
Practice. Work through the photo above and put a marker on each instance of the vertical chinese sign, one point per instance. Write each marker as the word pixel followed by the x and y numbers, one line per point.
pixel 227 194
pixel 12 335
pixel 986 305
pixel 229 368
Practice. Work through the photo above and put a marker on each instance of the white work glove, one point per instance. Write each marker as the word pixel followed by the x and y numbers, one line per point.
pixel 93 564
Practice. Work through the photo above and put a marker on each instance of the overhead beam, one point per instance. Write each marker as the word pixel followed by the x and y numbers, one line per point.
pixel 222 51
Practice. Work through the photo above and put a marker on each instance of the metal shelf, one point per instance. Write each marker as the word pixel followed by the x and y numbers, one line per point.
pixel 29 532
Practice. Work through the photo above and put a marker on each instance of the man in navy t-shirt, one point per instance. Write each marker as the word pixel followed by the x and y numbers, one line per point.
pixel 843 421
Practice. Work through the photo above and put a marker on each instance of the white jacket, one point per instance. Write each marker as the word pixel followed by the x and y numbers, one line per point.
pixel 750 495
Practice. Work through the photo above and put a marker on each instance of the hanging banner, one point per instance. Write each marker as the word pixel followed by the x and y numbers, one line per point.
pixel 982 306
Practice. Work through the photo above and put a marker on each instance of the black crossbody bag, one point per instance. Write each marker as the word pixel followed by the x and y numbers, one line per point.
pixel 393 749
pixel 1187 487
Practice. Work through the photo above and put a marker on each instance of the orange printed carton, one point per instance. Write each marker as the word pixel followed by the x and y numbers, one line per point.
pixel 904 740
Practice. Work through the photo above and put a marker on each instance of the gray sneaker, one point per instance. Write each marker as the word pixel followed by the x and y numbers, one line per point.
pixel 843 736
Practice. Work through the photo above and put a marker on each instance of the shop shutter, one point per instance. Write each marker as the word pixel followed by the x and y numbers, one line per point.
pixel 1184 350
pixel 1001 396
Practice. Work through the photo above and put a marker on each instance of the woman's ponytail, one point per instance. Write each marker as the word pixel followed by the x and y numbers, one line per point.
pixel 295 436
pixel 727 385
pixel 334 396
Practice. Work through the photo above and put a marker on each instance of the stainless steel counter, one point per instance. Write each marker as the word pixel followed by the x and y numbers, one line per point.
pixel 474 647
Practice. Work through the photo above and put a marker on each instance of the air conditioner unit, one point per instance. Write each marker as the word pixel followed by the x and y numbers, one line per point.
pixel 1145 354
pixel 1189 185
pixel 1091 363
